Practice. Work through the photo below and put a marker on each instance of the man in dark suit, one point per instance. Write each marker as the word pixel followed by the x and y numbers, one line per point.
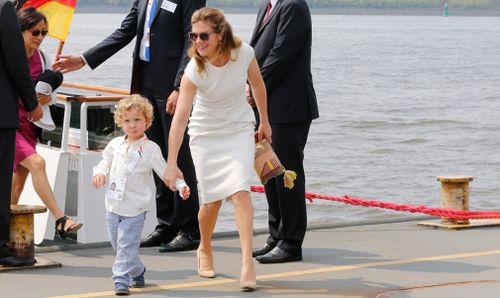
pixel 282 43
pixel 160 56
pixel 15 82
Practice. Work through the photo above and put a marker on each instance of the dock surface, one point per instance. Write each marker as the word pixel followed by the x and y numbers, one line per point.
pixel 393 260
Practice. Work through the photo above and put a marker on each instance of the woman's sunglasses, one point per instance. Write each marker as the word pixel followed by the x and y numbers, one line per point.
pixel 37 32
pixel 203 36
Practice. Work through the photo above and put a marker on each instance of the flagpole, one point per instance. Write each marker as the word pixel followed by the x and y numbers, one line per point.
pixel 59 50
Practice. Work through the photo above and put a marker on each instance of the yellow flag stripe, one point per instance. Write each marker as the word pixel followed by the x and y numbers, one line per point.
pixel 59 18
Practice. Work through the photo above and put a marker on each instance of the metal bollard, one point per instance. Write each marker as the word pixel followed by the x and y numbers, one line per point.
pixel 21 229
pixel 455 195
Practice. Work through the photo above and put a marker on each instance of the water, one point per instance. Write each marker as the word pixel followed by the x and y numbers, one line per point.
pixel 402 100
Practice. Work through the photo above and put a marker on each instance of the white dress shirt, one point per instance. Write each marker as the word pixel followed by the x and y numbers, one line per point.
pixel 273 4
pixel 118 159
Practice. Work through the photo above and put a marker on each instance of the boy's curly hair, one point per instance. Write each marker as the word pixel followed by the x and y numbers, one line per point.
pixel 134 101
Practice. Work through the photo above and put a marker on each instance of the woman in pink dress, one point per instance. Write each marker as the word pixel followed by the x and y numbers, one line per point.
pixel 27 160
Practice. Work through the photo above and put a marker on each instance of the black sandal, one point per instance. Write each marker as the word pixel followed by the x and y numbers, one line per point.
pixel 61 225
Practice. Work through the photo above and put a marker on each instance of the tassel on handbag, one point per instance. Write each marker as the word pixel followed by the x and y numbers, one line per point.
pixel 267 165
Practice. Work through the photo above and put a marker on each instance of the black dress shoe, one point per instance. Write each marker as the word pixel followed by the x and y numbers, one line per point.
pixel 7 258
pixel 14 261
pixel 278 255
pixel 263 250
pixel 155 239
pixel 181 242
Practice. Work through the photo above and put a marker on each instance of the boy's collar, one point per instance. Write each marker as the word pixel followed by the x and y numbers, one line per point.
pixel 144 138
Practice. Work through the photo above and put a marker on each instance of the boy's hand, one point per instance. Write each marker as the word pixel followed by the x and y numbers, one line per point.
pixel 98 180
pixel 182 188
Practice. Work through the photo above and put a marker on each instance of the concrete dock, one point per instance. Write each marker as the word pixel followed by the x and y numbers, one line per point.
pixel 384 260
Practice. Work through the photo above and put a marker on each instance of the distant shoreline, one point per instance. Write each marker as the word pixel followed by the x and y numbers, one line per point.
pixel 408 11
pixel 480 12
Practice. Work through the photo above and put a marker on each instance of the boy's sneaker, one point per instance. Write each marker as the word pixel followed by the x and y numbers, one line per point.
pixel 121 289
pixel 139 281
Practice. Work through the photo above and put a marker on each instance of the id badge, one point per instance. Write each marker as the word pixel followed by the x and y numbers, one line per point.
pixel 169 6
pixel 116 188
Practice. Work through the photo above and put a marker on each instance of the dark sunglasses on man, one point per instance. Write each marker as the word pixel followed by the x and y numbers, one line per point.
pixel 37 32
pixel 203 36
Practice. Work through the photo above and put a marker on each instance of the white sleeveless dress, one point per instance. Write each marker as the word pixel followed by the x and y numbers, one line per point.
pixel 221 127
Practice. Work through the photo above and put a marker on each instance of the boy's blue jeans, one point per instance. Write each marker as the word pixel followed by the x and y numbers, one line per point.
pixel 125 234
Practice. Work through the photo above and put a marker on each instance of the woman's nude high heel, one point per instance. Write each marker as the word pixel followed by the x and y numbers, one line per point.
pixel 208 273
pixel 249 285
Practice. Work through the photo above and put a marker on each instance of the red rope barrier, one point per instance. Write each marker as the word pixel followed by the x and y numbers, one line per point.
pixel 440 212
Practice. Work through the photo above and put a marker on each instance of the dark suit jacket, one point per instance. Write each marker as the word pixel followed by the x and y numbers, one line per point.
pixel 283 50
pixel 169 42
pixel 15 78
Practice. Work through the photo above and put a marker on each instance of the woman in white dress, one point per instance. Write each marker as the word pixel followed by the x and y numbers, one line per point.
pixel 221 130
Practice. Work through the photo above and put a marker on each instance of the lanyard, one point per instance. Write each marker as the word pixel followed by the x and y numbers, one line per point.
pixel 149 16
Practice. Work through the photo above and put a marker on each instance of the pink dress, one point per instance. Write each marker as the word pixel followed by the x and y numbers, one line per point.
pixel 26 134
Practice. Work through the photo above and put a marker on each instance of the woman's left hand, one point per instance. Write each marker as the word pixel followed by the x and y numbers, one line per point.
pixel 44 99
pixel 265 131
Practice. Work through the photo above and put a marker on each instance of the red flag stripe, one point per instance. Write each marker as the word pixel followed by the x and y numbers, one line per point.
pixel 38 3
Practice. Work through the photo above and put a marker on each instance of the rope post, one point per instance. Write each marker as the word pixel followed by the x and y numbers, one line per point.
pixel 455 195
pixel 21 229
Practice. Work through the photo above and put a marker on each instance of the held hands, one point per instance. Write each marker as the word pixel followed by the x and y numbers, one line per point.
pixel 172 173
pixel 174 179
pixel 172 102
pixel 98 180
pixel 67 63
pixel 183 189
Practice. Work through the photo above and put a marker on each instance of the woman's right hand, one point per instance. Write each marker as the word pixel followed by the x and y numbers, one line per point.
pixel 172 172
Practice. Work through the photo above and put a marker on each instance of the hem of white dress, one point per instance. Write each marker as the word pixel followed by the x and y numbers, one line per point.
pixel 226 195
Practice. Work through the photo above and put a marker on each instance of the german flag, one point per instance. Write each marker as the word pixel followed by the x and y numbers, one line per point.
pixel 58 13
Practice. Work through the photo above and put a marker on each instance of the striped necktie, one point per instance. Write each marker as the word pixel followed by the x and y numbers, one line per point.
pixel 268 13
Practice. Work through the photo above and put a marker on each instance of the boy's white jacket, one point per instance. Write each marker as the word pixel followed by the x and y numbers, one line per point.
pixel 139 187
